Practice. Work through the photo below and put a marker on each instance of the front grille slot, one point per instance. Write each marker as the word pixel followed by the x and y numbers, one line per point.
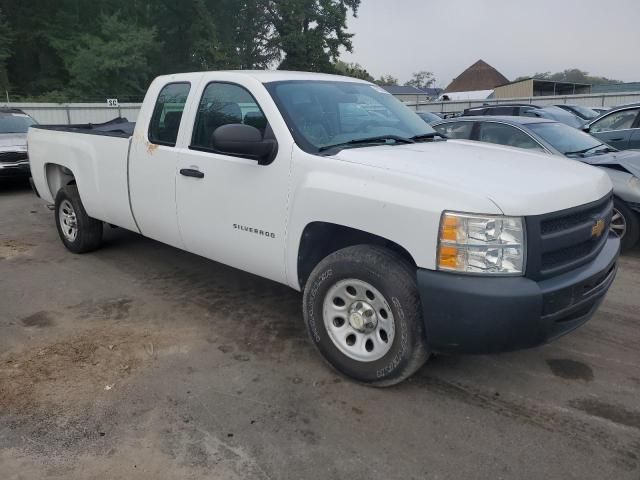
pixel 11 157
pixel 561 241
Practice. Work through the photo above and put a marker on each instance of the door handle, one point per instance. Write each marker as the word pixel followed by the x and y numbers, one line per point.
pixel 615 139
pixel 191 172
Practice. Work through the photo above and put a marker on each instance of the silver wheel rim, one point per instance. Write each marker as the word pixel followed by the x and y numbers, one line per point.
pixel 68 220
pixel 618 223
pixel 359 320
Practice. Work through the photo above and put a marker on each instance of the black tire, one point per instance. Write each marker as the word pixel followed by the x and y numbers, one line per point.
pixel 89 230
pixel 395 279
pixel 632 222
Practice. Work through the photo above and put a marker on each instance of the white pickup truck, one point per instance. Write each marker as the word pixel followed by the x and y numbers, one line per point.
pixel 403 242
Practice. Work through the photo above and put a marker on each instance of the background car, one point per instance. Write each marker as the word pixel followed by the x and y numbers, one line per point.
pixel 600 110
pixel 619 127
pixel 429 117
pixel 585 113
pixel 556 138
pixel 527 110
pixel 14 161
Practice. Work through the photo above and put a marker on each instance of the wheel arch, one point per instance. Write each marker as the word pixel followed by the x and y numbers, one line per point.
pixel 58 176
pixel 320 239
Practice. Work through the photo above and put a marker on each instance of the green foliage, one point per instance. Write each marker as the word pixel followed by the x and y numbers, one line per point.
pixel 572 75
pixel 387 81
pixel 352 70
pixel 117 55
pixel 79 50
pixel 310 33
pixel 6 39
pixel 422 80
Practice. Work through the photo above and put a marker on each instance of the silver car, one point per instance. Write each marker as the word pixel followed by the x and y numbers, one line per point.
pixel 556 138
pixel 14 161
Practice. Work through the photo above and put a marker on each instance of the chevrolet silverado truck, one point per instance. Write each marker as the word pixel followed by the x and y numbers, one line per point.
pixel 403 242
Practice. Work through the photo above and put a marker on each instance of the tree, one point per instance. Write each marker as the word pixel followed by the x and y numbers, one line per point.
pixel 113 61
pixel 310 33
pixel 6 39
pixel 571 75
pixel 387 81
pixel 421 80
pixel 352 70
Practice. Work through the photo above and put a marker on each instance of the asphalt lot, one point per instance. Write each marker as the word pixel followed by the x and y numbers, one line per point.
pixel 142 361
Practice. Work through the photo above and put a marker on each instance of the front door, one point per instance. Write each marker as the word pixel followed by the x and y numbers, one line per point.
pixel 616 128
pixel 230 209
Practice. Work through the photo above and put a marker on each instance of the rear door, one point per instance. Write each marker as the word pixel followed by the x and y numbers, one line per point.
pixel 634 140
pixel 616 128
pixel 153 161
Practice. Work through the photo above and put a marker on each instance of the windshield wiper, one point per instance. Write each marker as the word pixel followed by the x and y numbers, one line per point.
pixel 380 139
pixel 427 136
pixel 581 152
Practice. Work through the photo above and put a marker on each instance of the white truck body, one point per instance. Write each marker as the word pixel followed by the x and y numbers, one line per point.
pixel 253 217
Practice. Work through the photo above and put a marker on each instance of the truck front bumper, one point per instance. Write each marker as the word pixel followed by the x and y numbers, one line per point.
pixel 473 314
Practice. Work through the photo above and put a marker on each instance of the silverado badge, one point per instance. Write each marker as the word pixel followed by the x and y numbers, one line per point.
pixel 597 228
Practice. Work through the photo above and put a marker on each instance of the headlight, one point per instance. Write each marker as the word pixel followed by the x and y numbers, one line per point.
pixel 481 244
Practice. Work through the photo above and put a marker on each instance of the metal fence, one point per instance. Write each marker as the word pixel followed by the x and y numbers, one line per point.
pixel 606 100
pixel 68 113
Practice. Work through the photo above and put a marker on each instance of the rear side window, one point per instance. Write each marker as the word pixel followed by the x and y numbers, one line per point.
pixel 165 121
pixel 501 111
pixel 459 130
pixel 225 104
pixel 506 135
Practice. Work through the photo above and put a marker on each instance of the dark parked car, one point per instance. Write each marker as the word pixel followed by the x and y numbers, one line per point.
pixel 584 113
pixel 619 127
pixel 14 124
pixel 429 117
pixel 556 138
pixel 527 110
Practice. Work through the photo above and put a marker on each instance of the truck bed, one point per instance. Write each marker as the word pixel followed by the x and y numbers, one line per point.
pixel 118 127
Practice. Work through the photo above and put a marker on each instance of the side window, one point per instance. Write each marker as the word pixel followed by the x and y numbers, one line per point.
pixel 506 135
pixel 502 111
pixel 459 130
pixel 616 121
pixel 225 104
pixel 165 121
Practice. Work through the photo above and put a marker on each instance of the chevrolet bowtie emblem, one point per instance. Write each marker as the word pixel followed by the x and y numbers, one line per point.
pixel 598 228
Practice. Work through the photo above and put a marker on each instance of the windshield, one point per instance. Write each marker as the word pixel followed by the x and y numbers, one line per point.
pixel 321 114
pixel 15 123
pixel 564 138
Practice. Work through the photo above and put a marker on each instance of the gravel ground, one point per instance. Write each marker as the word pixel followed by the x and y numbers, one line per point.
pixel 142 361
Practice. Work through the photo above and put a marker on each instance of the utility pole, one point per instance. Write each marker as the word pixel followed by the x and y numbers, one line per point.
pixel 7 93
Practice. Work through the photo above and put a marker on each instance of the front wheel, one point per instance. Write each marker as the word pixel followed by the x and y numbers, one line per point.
pixel 626 224
pixel 78 231
pixel 363 313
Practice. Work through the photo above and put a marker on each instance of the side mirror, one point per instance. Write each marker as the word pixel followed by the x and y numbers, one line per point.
pixel 244 140
pixel 586 128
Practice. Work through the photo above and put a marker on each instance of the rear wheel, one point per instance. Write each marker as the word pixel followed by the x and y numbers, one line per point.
pixel 363 313
pixel 78 231
pixel 626 224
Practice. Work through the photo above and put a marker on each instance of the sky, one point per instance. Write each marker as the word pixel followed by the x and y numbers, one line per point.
pixel 517 37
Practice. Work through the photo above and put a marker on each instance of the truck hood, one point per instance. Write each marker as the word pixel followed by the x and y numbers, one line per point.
pixel 517 181
pixel 628 159
pixel 10 140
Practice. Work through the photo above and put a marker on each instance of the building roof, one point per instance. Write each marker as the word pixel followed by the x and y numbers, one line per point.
pixel 479 76
pixel 616 87
pixel 543 80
